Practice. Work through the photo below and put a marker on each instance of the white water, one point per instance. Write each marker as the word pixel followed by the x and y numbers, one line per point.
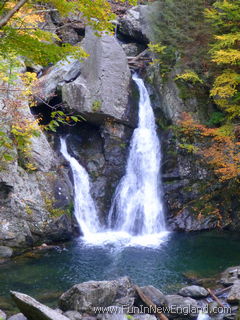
pixel 84 208
pixel 137 207
pixel 136 216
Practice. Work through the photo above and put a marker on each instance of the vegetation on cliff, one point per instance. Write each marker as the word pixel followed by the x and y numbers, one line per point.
pixel 200 42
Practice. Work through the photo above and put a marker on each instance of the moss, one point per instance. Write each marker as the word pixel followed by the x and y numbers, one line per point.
pixel 50 207
pixel 96 105
pixel 28 210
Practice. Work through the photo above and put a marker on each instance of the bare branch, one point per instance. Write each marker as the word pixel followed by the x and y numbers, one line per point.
pixel 4 19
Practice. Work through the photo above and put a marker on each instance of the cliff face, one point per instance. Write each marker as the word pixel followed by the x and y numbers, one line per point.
pixel 33 201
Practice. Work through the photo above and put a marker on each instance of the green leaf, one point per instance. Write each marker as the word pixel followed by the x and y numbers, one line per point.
pixel 8 157
pixel 74 118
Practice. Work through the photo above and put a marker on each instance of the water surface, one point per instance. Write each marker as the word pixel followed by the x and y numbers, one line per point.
pixel 46 275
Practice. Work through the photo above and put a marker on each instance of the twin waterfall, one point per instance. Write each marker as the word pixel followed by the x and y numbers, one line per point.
pixel 84 207
pixel 136 215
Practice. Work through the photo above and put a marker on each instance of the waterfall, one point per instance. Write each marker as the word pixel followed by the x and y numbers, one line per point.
pixel 137 206
pixel 84 208
pixel 136 216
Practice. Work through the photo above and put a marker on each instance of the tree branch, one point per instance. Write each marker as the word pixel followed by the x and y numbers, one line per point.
pixel 4 19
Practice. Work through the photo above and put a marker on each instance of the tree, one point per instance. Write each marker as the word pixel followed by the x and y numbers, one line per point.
pixel 22 38
pixel 225 52
pixel 21 34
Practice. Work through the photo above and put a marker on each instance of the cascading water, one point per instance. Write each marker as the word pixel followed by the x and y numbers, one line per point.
pixel 84 208
pixel 137 206
pixel 136 216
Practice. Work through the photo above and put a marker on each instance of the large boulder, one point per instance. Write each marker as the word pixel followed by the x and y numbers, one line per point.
pixel 183 307
pixel 33 309
pixel 101 91
pixel 230 275
pixel 193 292
pixel 155 295
pixel 90 297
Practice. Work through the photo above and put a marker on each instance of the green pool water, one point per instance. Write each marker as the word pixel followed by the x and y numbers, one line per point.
pixel 46 274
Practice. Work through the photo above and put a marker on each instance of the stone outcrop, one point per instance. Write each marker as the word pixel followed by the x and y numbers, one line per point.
pixel 33 309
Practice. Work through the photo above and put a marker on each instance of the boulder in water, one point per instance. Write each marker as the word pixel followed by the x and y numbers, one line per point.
pixel 33 309
pixel 155 295
pixel 88 296
pixel 230 275
pixel 193 292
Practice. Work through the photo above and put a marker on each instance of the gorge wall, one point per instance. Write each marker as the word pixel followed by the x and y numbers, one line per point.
pixel 37 206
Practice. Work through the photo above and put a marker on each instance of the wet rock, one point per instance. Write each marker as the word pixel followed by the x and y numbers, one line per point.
pixel 101 90
pixel 73 315
pixel 181 306
pixel 87 296
pixel 3 315
pixel 230 275
pixel 234 294
pixel 5 252
pixel 18 316
pixel 33 309
pixel 193 292
pixel 155 295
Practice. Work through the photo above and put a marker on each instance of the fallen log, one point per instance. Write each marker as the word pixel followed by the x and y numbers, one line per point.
pixel 150 304
pixel 215 298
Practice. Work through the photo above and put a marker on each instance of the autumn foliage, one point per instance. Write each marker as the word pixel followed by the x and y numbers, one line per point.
pixel 218 147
